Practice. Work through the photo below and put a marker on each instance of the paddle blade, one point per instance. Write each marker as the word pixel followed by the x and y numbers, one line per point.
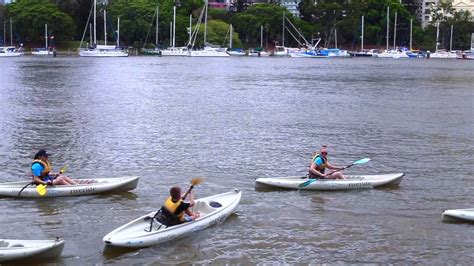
pixel 41 189
pixel 196 181
pixel 63 169
pixel 362 161
pixel 306 183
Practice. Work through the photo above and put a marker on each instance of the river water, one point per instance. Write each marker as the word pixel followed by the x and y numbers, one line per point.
pixel 231 120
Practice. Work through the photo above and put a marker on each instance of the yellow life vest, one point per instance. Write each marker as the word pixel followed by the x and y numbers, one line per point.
pixel 46 167
pixel 322 167
pixel 172 206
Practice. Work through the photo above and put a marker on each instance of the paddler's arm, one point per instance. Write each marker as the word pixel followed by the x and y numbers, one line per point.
pixel 314 170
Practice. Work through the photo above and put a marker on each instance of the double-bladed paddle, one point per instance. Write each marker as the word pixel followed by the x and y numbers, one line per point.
pixel 361 161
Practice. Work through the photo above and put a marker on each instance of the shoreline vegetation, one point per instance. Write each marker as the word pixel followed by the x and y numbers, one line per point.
pixel 334 23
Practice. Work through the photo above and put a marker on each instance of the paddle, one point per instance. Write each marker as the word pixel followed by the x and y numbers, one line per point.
pixel 361 161
pixel 194 182
pixel 41 188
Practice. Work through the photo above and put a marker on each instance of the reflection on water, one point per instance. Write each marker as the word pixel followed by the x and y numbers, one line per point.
pixel 232 120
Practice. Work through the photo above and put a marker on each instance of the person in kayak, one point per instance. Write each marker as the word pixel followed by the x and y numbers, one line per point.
pixel 41 169
pixel 175 210
pixel 320 162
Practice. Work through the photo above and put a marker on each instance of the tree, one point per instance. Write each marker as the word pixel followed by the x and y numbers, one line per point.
pixel 29 17
pixel 270 16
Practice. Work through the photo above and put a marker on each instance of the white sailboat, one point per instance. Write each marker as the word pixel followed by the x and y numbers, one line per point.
pixel 10 51
pixel 442 53
pixel 45 50
pixel 103 50
pixel 173 50
pixel 208 50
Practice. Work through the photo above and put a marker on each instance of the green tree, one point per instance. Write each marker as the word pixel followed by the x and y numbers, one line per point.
pixel 29 17
pixel 136 18
pixel 270 16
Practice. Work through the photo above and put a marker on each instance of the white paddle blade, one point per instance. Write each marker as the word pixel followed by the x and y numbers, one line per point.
pixel 362 161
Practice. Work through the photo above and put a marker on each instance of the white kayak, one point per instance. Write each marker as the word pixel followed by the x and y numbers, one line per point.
pixel 96 186
pixel 213 210
pixel 11 249
pixel 459 215
pixel 351 182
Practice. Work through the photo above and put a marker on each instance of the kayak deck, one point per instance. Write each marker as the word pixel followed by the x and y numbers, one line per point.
pixel 458 215
pixel 351 182
pixel 92 187
pixel 143 232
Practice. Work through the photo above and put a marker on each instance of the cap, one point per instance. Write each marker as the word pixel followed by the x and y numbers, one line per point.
pixel 42 153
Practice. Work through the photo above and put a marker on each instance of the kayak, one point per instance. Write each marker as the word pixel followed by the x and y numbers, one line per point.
pixel 213 210
pixel 351 182
pixel 11 249
pixel 459 215
pixel 95 186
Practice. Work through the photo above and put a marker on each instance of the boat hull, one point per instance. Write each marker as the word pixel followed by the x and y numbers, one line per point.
pixel 11 250
pixel 97 186
pixel 136 233
pixel 459 215
pixel 352 182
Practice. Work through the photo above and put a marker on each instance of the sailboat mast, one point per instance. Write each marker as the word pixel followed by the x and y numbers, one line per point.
pixel 451 40
pixel 283 31
pixel 118 32
pixel 46 36
pixel 190 27
pixel 231 33
pixel 156 30
pixel 174 26
pixel 105 27
pixel 411 34
pixel 11 33
pixel 362 35
pixel 205 22
pixel 437 36
pixel 261 36
pixel 95 23
pixel 388 24
pixel 395 31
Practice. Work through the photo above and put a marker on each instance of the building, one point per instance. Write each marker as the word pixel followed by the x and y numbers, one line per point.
pixel 464 5
pixel 292 6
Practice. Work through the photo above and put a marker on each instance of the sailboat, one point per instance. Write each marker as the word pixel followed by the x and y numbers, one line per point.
pixel 231 51
pixel 45 50
pixel 10 51
pixel 103 50
pixel 362 52
pixel 441 53
pixel 173 50
pixel 209 50
pixel 259 52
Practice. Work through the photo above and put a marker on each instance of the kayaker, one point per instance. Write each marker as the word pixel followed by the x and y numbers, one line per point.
pixel 41 169
pixel 320 162
pixel 175 210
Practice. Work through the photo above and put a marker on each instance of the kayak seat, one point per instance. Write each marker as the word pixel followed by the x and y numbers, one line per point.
pixel 17 246
pixel 3 244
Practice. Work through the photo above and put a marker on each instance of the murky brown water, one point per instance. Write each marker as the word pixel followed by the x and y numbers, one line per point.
pixel 235 119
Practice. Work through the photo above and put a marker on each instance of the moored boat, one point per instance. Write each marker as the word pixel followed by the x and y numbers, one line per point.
pixel 13 249
pixel 458 215
pixel 141 232
pixel 94 186
pixel 351 182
